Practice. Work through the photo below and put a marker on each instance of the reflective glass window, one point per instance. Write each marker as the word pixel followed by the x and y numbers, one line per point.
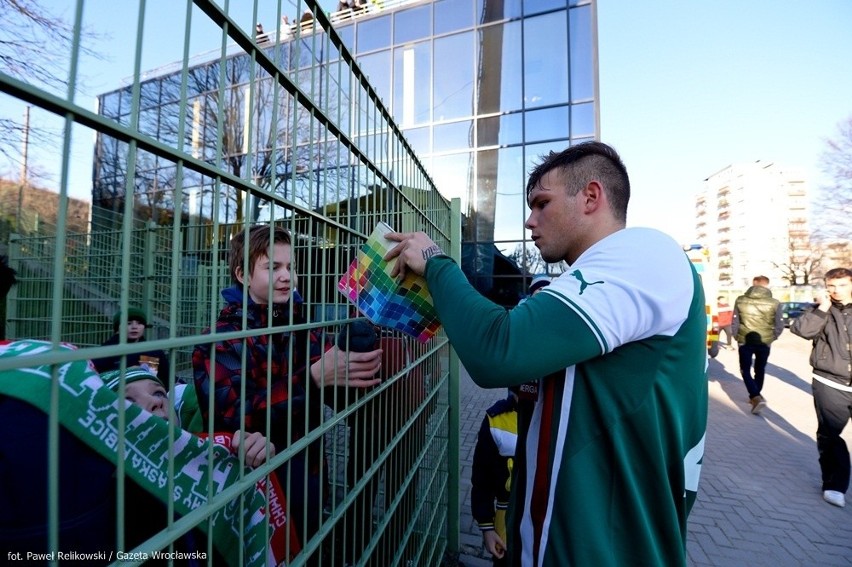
pixel 539 6
pixel 503 130
pixel 281 54
pixel 237 68
pixel 452 15
pixel 124 100
pixel 583 120
pixel 503 170
pixel 500 68
pixel 546 124
pixel 376 68
pixel 418 138
pixel 336 76
pixel 170 88
pixel 454 76
pixel 545 64
pixel 582 56
pixel 413 24
pixel 169 118
pixel 412 68
pixel 108 104
pixel 149 94
pixel 374 33
pixel 497 10
pixel 454 136
pixel 111 161
pixel 347 35
pixel 149 120
pixel 533 153
pixel 200 79
pixel 450 174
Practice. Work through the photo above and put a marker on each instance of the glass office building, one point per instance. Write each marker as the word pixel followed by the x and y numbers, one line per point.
pixel 479 88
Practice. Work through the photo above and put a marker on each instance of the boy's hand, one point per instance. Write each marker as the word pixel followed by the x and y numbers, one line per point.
pixel 412 252
pixel 494 543
pixel 255 447
pixel 341 368
pixel 824 301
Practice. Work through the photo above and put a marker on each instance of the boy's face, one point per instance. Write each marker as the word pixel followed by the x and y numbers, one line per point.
pixel 135 329
pixel 149 395
pixel 840 289
pixel 278 270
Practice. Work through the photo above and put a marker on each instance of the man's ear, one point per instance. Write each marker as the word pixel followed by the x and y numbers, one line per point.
pixel 594 196
pixel 238 273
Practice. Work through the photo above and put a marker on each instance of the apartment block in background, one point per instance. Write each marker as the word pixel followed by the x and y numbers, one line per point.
pixel 754 219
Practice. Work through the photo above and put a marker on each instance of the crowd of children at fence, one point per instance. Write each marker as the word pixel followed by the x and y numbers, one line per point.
pixel 269 390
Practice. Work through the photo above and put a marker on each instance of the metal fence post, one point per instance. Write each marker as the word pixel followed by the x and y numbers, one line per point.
pixel 453 442
pixel 11 323
pixel 149 268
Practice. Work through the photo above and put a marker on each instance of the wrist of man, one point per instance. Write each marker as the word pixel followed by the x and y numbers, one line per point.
pixel 431 252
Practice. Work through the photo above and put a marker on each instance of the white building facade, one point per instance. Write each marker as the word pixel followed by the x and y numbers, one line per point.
pixel 753 217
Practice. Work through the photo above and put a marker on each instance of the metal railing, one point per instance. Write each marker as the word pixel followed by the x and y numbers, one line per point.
pixel 390 453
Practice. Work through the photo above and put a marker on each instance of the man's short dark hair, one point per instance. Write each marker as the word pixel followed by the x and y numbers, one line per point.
pixel 259 237
pixel 838 274
pixel 589 161
pixel 760 280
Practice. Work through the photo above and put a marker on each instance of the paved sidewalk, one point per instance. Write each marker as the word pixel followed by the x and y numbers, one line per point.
pixel 759 499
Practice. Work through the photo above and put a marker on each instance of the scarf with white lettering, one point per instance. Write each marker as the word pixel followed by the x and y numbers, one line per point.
pixel 90 410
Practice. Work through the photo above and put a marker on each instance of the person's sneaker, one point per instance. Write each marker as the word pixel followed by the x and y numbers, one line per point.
pixel 757 404
pixel 834 498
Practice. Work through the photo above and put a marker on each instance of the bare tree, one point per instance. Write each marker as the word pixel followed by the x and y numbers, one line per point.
pixel 802 264
pixel 836 253
pixel 34 47
pixel 529 259
pixel 836 198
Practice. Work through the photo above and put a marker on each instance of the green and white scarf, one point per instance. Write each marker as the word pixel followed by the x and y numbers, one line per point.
pixel 89 410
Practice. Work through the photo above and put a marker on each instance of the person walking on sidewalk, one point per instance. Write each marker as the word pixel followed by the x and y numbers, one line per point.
pixel 829 326
pixel 725 318
pixel 756 324
pixel 607 470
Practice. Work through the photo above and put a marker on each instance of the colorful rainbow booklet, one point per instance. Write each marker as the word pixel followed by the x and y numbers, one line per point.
pixel 405 306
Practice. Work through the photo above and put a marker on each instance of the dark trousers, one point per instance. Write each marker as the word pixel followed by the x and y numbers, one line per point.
pixel 760 354
pixel 834 410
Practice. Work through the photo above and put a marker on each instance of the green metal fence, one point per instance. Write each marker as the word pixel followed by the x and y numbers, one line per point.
pixel 169 198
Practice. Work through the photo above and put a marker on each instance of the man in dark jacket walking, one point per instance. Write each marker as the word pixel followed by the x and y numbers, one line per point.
pixel 829 326
pixel 756 324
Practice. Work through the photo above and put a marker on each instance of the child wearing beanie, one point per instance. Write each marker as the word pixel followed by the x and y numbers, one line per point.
pixel 156 361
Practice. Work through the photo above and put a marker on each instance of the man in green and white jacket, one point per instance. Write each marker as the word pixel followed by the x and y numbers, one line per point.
pixel 607 468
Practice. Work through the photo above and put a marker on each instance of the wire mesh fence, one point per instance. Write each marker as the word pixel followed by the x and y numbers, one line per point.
pixel 285 134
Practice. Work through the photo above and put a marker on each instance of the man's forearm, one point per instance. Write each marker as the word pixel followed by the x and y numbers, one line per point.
pixel 501 348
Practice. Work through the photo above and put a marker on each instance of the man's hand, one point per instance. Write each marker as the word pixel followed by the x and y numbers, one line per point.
pixel 494 543
pixel 341 368
pixel 412 252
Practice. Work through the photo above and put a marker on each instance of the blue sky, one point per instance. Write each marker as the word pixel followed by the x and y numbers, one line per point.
pixel 687 87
